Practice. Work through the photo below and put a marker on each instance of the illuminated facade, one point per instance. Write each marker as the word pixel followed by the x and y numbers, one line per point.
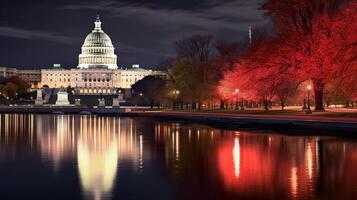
pixel 31 76
pixel 97 71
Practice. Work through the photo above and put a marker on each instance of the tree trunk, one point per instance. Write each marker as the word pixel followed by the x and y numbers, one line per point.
pixel 266 105
pixel 282 104
pixel 347 104
pixel 327 103
pixel 221 104
pixel 319 95
pixel 199 105
pixel 193 106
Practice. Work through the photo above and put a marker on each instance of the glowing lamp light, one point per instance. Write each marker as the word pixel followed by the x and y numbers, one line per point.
pixel 237 90
pixel 309 87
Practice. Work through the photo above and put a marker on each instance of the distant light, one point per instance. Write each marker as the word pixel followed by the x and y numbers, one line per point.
pixel 309 87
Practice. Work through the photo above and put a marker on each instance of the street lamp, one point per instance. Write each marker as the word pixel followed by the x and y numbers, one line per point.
pixel 236 92
pixel 176 93
pixel 308 111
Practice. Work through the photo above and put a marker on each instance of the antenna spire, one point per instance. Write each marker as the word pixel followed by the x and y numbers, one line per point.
pixel 250 35
pixel 98 17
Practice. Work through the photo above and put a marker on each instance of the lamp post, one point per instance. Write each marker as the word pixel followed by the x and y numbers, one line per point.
pixel 308 110
pixel 236 92
pixel 176 93
pixel 141 99
pixel 304 105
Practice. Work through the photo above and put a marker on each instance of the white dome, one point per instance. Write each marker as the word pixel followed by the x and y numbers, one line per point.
pixel 97 39
pixel 97 50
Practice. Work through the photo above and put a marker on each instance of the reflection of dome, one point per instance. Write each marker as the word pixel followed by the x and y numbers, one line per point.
pixel 97 168
pixel 97 50
pixel 101 144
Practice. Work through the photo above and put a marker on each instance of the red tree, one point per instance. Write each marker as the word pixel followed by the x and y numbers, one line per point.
pixel 315 41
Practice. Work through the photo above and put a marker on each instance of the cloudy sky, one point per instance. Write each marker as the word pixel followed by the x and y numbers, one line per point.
pixel 38 33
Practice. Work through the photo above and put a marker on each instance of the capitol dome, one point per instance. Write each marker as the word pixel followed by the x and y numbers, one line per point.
pixel 97 50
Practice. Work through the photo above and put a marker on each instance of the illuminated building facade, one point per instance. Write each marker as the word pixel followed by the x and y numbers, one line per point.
pixel 29 75
pixel 97 71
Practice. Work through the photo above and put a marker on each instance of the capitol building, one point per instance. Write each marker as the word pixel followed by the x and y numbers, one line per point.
pixel 97 71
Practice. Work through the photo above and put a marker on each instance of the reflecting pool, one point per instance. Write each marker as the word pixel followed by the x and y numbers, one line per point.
pixel 91 157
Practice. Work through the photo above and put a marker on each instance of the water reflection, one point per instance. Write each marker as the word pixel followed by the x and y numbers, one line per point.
pixel 97 143
pixel 118 157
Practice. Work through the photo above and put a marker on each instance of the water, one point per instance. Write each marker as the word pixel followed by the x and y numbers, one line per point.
pixel 89 157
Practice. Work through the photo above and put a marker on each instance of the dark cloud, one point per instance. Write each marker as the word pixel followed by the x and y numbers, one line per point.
pixel 34 35
pixel 142 31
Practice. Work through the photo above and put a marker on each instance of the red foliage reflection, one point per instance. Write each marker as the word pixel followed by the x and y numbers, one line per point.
pixel 246 167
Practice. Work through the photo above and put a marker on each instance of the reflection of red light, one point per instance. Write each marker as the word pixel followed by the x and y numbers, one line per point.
pixel 244 165
pixel 236 157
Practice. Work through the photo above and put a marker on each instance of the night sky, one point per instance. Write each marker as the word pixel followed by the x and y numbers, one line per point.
pixel 38 33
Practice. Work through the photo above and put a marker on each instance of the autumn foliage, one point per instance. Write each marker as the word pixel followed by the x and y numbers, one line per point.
pixel 315 42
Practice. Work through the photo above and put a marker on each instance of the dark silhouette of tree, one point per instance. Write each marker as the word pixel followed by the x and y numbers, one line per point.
pixel 21 85
pixel 150 90
pixel 198 47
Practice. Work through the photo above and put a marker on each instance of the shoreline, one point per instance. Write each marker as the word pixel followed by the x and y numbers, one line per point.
pixel 288 124
pixel 291 124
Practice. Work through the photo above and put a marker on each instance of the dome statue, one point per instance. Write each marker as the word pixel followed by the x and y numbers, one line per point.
pixel 97 50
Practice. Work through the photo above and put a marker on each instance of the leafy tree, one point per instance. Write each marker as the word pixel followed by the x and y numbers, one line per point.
pixel 308 25
pixel 150 90
pixel 10 90
pixel 316 44
pixel 196 80
pixel 196 72
pixel 20 84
